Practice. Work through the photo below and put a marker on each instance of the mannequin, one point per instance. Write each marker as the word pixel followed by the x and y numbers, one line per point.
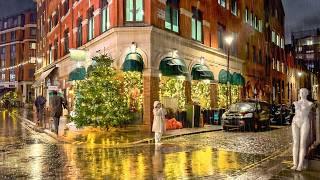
pixel 300 129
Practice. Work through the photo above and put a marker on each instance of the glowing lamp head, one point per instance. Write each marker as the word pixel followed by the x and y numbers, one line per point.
pixel 299 74
pixel 229 40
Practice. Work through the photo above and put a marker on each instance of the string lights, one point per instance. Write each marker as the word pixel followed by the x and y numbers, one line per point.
pixel 15 66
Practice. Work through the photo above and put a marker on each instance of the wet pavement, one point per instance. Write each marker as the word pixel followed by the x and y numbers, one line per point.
pixel 27 154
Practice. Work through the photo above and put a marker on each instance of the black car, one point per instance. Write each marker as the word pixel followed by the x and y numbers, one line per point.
pixel 281 114
pixel 247 115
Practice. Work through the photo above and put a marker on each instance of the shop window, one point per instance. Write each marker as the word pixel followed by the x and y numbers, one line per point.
pixel 196 23
pixel 221 31
pixel 222 3
pixel 172 15
pixel 234 7
pixel 79 32
pixel 134 10
pixel 105 24
pixel 66 41
pixel 90 24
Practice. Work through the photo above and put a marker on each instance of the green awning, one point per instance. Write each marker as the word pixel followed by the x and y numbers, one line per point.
pixel 237 79
pixel 173 67
pixel 133 62
pixel 77 74
pixel 201 72
pixel 223 76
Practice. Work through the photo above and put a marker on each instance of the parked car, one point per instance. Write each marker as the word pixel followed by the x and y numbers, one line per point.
pixel 247 115
pixel 281 114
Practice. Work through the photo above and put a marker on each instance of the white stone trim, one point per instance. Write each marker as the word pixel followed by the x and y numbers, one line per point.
pixel 206 23
pixel 185 12
pixel 84 22
pixel 162 1
pixel 96 12
pixel 62 40
pixel 75 30
pixel 54 13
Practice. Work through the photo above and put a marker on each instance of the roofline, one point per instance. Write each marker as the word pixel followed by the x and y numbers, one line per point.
pixel 34 9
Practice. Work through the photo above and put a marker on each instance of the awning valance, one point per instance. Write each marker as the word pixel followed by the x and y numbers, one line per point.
pixel 173 67
pixel 237 79
pixel 133 62
pixel 43 77
pixel 224 77
pixel 201 72
pixel 77 74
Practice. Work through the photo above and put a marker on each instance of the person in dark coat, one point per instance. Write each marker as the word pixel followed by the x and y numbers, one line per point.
pixel 40 103
pixel 57 105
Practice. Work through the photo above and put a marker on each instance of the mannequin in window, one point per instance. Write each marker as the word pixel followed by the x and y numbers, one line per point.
pixel 300 129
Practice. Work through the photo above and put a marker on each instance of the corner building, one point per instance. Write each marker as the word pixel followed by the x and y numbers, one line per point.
pixel 17 54
pixel 174 42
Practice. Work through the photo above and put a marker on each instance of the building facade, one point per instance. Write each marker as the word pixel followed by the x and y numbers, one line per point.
pixel 185 39
pixel 306 52
pixel 17 53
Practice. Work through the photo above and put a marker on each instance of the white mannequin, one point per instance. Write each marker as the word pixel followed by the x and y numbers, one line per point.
pixel 300 129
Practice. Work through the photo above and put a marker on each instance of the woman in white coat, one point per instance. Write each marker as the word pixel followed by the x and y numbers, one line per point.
pixel 158 126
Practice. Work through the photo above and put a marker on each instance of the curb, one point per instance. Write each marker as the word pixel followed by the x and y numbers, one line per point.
pixel 151 140
pixel 34 127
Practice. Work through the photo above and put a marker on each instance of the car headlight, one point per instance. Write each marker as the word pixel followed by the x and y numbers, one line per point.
pixel 224 116
pixel 248 115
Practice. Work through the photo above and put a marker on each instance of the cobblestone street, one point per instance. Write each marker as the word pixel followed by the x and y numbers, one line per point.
pixel 215 155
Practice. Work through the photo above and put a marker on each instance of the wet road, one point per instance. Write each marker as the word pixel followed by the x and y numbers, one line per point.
pixel 218 155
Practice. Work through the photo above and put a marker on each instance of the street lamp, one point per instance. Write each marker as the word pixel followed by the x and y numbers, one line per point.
pixel 228 40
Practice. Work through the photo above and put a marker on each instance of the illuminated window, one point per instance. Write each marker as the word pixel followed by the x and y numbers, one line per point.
pixel 196 23
pixel 134 10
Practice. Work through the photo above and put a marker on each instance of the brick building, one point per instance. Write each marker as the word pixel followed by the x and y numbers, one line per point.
pixel 186 34
pixel 17 53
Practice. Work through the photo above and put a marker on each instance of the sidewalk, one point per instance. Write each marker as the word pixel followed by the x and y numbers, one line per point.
pixel 131 135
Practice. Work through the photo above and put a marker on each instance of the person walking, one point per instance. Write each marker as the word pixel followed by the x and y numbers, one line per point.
pixel 158 126
pixel 57 105
pixel 40 104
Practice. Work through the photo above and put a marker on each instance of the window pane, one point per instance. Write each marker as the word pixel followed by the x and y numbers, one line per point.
pixel 199 30
pixel 168 18
pixel 108 18
pixel 193 24
pixel 139 10
pixel 104 20
pixel 175 20
pixel 91 28
pixel 129 10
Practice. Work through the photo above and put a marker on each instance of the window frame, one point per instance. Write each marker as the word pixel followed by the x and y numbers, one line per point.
pixel 90 15
pixel 173 7
pixel 105 7
pixel 234 7
pixel 222 3
pixel 79 32
pixel 221 41
pixel 134 12
pixel 66 42
pixel 197 17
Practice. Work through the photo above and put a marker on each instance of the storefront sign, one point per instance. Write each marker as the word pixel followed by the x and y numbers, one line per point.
pixel 53 88
pixel 78 55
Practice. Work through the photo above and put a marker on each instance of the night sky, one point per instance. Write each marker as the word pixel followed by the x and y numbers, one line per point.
pixel 300 14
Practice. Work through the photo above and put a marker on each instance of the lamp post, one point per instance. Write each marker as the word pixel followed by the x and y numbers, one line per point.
pixel 228 40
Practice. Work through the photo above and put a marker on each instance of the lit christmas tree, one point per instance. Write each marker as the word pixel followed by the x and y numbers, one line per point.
pixel 99 98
